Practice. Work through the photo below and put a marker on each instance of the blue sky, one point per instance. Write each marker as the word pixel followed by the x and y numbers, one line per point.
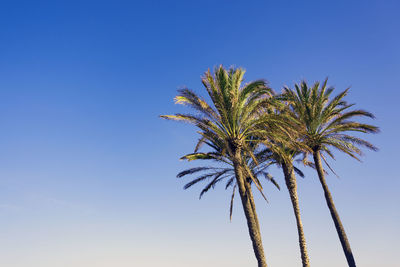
pixel 87 169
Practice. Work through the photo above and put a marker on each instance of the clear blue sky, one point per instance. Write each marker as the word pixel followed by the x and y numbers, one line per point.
pixel 87 169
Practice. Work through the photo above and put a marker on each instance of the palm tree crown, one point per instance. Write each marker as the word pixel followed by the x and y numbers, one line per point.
pixel 233 119
pixel 327 123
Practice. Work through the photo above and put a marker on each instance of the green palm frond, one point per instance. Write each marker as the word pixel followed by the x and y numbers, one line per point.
pixel 191 171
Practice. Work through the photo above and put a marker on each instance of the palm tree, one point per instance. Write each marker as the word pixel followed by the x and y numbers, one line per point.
pixel 327 124
pixel 230 125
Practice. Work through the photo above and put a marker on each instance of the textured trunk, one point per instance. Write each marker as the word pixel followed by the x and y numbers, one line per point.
pixel 253 205
pixel 291 184
pixel 251 216
pixel 335 216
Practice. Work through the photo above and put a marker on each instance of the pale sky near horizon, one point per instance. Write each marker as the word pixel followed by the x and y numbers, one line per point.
pixel 87 168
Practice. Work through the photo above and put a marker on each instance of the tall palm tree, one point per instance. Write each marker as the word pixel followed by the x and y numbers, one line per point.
pixel 328 124
pixel 230 125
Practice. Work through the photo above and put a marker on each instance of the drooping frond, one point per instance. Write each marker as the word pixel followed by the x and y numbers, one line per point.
pixel 199 179
pixel 216 179
pixel 231 206
pixel 191 171
pixel 271 179
pixel 298 171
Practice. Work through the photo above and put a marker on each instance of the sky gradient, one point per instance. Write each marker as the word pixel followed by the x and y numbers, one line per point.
pixel 87 168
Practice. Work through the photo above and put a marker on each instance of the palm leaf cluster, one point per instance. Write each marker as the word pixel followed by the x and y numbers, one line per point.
pixel 328 122
pixel 214 175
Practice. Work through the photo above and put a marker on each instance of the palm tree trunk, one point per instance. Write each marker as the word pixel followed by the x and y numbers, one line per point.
pixel 249 193
pixel 251 216
pixel 291 184
pixel 253 205
pixel 335 216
